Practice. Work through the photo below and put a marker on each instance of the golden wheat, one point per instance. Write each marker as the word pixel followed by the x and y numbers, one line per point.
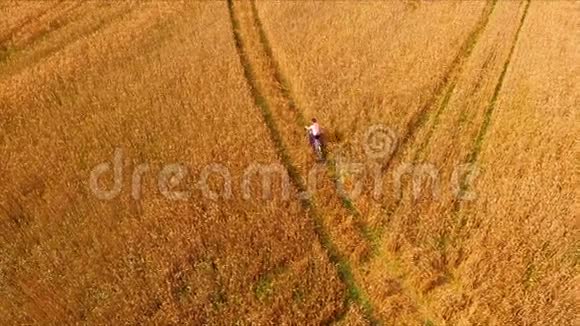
pixel 161 82
pixel 229 86
pixel 385 74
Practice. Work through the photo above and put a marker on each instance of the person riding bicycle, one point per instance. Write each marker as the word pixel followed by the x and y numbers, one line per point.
pixel 315 138
pixel 314 131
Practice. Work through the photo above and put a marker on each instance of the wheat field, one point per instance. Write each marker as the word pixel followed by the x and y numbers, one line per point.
pixel 154 167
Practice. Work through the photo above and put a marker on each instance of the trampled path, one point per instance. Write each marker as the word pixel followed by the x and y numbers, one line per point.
pixel 38 56
pixel 433 109
pixel 426 121
pixel 427 118
pixel 476 149
pixel 341 230
pixel 344 241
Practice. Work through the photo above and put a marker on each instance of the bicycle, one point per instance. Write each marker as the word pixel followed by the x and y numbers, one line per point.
pixel 317 146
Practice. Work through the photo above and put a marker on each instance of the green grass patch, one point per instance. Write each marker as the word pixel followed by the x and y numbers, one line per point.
pixel 264 289
pixel 428 323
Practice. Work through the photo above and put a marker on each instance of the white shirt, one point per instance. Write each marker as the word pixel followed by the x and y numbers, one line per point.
pixel 314 129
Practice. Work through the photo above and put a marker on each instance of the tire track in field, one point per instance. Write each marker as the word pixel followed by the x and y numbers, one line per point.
pixel 44 54
pixel 431 112
pixel 51 24
pixel 27 21
pixel 370 235
pixel 271 98
pixel 442 95
pixel 286 89
pixel 473 156
pixel 444 88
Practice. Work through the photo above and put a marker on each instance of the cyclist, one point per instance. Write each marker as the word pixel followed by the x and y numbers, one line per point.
pixel 314 136
pixel 314 131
